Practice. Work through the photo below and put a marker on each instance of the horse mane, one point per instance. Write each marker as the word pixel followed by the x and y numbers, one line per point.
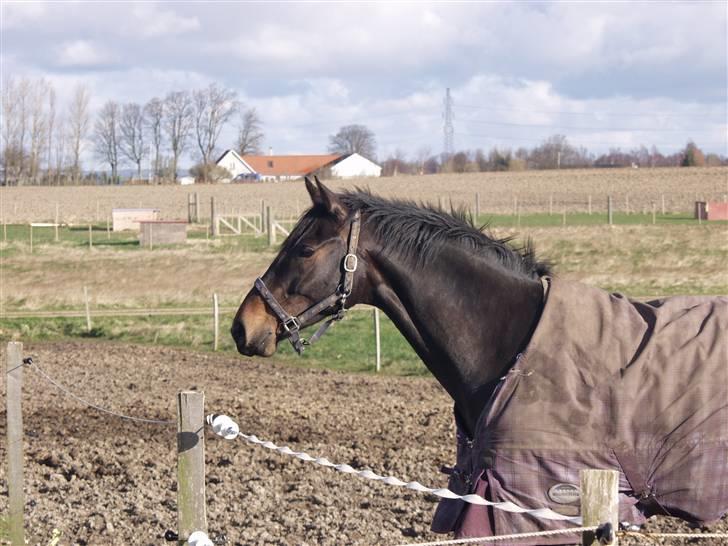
pixel 418 231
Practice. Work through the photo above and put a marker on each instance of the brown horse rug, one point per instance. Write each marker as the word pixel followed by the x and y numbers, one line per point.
pixel 605 383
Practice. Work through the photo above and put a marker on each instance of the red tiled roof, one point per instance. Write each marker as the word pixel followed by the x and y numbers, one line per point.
pixel 289 165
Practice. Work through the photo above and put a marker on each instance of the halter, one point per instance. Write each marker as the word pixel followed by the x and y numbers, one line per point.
pixel 293 324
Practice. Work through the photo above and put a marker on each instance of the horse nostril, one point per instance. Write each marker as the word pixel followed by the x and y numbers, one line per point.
pixel 238 332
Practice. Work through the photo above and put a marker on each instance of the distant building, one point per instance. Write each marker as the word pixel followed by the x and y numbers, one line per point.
pixel 291 167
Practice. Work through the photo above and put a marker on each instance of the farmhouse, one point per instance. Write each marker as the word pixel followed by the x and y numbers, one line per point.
pixel 291 167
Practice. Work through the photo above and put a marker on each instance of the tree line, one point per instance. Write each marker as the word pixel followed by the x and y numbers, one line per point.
pixel 555 152
pixel 44 142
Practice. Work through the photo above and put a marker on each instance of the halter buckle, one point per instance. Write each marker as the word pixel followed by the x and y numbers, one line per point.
pixel 291 324
pixel 354 261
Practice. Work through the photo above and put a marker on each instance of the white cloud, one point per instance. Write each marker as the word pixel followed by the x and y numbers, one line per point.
pixel 17 14
pixel 83 54
pixel 150 21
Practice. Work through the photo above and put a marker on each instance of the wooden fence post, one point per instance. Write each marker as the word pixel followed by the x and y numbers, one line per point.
pixel 663 204
pixel 191 507
pixel 88 310
pixel 377 340
pixel 551 204
pixel 215 322
pixel 270 226
pixel 31 238
pixel 610 217
pixel 599 502
pixel 90 238
pixel 197 208
pixel 654 213
pixel 56 226
pixel 213 218
pixel 263 223
pixel 589 205
pixel 13 393
pixel 477 206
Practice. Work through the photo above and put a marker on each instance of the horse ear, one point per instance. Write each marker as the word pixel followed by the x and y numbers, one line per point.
pixel 330 201
pixel 313 191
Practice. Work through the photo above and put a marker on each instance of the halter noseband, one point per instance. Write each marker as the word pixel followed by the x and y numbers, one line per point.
pixel 293 324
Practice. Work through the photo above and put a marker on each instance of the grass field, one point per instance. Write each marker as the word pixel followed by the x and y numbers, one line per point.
pixel 675 256
pixel 633 190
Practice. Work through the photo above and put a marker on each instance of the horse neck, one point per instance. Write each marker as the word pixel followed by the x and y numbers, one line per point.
pixel 466 318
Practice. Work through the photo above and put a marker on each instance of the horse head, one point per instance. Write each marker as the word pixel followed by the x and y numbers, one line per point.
pixel 312 278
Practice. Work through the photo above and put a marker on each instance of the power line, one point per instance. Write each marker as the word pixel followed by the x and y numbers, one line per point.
pixel 595 113
pixel 575 128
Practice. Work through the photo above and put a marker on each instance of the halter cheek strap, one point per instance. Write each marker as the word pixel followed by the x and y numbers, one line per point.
pixel 292 324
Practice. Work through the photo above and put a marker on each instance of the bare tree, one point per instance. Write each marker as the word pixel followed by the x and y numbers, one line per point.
pixel 250 134
pixel 51 121
pixel 354 139
pixel 213 107
pixel 131 129
pixel 153 119
pixel 78 126
pixel 10 110
pixel 106 137
pixel 178 118
pixel 61 148
pixel 38 126
pixel 421 156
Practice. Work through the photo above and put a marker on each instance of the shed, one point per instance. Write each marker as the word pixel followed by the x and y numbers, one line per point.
pixel 713 210
pixel 123 219
pixel 162 232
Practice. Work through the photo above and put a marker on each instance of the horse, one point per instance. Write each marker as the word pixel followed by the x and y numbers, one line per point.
pixel 547 376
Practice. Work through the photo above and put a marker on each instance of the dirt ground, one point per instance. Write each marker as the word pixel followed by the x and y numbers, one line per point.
pixel 102 480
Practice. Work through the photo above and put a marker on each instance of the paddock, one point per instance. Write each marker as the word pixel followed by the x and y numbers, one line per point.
pixel 99 479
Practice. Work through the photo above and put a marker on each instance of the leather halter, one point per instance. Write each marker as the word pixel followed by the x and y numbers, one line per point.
pixel 293 324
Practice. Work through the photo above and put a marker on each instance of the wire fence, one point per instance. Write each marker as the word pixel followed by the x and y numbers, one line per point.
pixel 225 427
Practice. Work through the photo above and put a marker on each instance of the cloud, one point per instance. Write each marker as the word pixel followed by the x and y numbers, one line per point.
pixel 151 22
pixel 84 54
pixel 17 14
pixel 601 73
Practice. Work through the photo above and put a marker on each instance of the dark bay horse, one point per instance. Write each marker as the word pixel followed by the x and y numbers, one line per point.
pixel 537 366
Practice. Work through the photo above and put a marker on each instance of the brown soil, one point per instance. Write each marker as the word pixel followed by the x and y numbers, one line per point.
pixel 103 480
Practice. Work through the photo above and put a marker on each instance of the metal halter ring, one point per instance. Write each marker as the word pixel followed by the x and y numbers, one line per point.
pixel 291 324
pixel 350 257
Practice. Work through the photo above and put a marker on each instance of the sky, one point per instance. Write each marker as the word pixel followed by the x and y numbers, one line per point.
pixel 605 74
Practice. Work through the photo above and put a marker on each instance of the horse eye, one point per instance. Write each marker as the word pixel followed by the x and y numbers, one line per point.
pixel 306 251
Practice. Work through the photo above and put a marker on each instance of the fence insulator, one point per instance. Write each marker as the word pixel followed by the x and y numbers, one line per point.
pixel 199 538
pixel 223 426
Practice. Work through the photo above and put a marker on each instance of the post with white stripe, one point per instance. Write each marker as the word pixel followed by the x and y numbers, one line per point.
pixel 191 509
pixel 377 339
pixel 215 322
pixel 13 392
pixel 599 502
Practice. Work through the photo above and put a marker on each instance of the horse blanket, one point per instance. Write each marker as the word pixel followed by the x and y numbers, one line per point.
pixel 606 383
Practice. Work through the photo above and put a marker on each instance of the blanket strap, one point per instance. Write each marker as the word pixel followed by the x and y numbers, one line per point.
pixel 631 469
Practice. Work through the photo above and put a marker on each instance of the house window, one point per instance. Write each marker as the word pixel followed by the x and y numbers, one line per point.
pixel 270 164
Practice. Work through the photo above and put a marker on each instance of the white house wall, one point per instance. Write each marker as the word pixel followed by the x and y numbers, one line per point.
pixel 355 166
pixel 234 164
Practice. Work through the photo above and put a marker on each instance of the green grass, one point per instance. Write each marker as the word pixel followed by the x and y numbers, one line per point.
pixel 348 346
pixel 16 239
pixel 4 536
